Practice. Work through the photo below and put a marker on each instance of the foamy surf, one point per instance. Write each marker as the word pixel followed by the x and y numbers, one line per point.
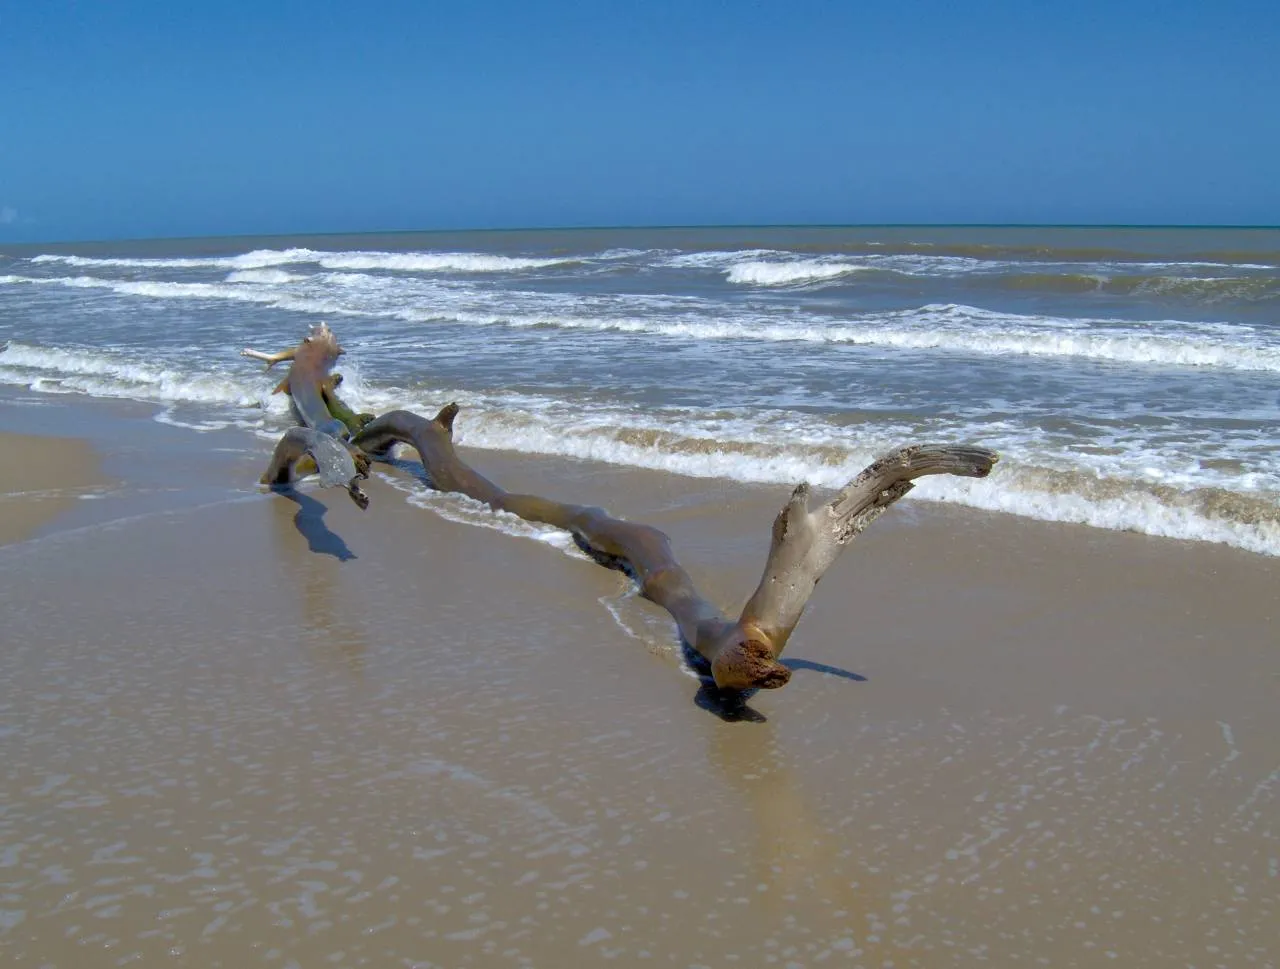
pixel 1015 488
pixel 784 449
pixel 777 449
pixel 1127 378
pixel 431 262
pixel 1019 486
pixel 787 273
pixel 270 277
pixel 108 374
pixel 955 328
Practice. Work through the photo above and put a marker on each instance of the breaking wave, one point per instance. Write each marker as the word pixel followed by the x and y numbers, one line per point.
pixel 787 273
pixel 1241 509
pixel 1019 486
pixel 1247 281
pixel 270 277
pixel 435 262
pixel 944 326
pixel 107 374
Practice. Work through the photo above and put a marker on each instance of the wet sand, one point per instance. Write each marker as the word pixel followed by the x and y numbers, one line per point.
pixel 243 729
pixel 40 479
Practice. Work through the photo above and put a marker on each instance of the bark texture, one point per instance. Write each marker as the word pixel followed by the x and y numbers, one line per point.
pixel 742 652
pixel 322 444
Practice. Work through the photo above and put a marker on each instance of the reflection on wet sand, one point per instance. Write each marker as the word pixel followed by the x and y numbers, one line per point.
pixel 40 479
pixel 789 846
pixel 318 575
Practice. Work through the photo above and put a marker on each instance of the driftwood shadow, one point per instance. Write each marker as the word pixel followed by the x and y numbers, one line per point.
pixel 309 520
pixel 825 668
pixel 733 706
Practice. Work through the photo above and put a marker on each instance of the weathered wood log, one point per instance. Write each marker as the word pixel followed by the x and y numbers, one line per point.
pixel 743 652
pixel 271 359
pixel 338 408
pixel 323 440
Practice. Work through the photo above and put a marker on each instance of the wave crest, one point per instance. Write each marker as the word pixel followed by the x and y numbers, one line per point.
pixel 787 273
pixel 950 327
pixel 277 277
pixel 108 374
pixel 435 262
pixel 1018 486
pixel 1236 507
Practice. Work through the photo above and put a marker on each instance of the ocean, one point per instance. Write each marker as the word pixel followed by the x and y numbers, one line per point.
pixel 1129 377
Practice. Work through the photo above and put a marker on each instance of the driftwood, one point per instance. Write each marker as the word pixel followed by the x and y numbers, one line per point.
pixel 742 652
pixel 322 443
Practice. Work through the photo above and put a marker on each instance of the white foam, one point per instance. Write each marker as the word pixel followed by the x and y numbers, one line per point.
pixel 948 327
pixel 466 262
pixel 968 329
pixel 435 262
pixel 746 266
pixel 922 265
pixel 170 416
pixel 261 294
pixel 766 267
pixel 719 259
pixel 113 374
pixel 1178 265
pixel 277 277
pixel 257 259
pixel 1136 488
pixel 1133 512
pixel 629 255
pixel 751 267
pixel 787 273
pixel 775 455
pixel 955 328
pixel 468 511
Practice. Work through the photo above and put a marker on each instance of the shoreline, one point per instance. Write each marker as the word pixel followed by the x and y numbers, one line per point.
pixel 112 420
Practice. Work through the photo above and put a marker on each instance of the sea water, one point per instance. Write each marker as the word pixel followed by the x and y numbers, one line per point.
pixel 1130 378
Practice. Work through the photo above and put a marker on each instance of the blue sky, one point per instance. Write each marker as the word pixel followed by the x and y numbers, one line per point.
pixel 136 119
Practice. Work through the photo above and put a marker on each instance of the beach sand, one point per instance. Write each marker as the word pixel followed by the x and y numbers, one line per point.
pixel 40 479
pixel 240 728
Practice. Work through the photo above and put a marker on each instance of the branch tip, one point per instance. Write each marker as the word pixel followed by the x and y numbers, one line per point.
pixel 447 413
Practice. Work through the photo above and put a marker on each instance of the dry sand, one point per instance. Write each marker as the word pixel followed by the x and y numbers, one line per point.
pixel 239 729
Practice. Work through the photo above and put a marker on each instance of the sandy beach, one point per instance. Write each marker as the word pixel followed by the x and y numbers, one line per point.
pixel 40 479
pixel 248 729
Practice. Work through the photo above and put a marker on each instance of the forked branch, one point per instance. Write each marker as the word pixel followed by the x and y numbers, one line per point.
pixel 327 423
pixel 806 543
pixel 742 653
pixel 271 359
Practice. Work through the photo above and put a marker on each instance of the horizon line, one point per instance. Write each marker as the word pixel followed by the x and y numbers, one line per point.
pixel 670 226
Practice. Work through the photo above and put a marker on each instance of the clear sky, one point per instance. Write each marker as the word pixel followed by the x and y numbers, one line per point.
pixel 132 118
